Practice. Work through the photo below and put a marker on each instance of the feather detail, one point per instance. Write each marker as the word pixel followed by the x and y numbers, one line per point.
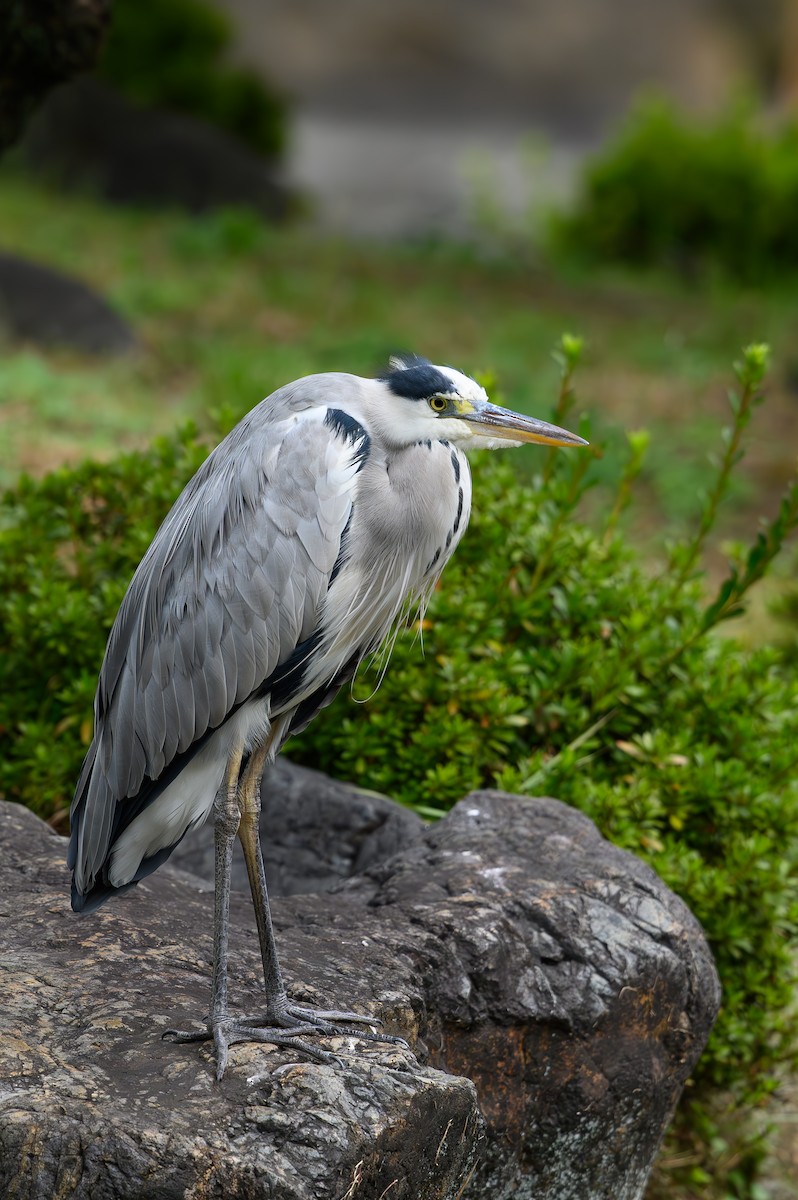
pixel 235 578
pixel 300 546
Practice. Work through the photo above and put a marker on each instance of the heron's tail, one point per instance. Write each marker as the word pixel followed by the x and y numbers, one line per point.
pixel 88 846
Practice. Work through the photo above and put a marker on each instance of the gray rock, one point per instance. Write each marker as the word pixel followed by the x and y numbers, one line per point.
pixel 39 304
pixel 564 979
pixel 95 1106
pixel 88 135
pixel 509 943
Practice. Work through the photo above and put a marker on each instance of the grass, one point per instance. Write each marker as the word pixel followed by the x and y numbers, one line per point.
pixel 226 310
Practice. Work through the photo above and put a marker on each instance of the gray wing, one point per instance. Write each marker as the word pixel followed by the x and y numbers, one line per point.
pixel 234 579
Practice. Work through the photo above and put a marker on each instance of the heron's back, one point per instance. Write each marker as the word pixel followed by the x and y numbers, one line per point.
pixel 288 557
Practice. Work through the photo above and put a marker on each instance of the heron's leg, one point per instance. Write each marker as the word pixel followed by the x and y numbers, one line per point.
pixel 249 833
pixel 226 821
pixel 281 1013
pixel 237 810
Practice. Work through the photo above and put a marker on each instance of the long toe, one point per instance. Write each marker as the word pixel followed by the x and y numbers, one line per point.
pixel 229 1031
pixel 331 1014
pixel 338 1024
pixel 325 1022
pixel 292 1038
pixel 187 1035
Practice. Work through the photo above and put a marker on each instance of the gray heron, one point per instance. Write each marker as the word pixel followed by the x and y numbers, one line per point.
pixel 307 534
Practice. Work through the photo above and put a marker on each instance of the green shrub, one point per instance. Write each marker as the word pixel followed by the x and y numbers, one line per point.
pixel 170 54
pixel 69 544
pixel 556 664
pixel 670 192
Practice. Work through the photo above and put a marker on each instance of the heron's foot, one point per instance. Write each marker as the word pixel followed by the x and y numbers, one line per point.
pixel 284 1014
pixel 225 1032
pixel 285 1024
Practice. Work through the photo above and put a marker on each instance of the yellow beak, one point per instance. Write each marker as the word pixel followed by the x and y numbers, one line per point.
pixel 490 420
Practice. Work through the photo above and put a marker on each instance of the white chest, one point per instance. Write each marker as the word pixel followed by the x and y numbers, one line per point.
pixel 410 512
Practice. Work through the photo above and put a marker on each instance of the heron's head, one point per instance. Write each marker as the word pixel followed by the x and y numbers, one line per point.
pixel 440 402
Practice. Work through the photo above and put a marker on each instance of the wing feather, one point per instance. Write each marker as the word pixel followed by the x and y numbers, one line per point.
pixel 172 721
pixel 234 579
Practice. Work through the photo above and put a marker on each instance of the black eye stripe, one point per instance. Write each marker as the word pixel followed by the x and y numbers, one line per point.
pixel 418 383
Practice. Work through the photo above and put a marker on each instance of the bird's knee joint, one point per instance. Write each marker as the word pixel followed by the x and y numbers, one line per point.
pixel 226 813
pixel 249 817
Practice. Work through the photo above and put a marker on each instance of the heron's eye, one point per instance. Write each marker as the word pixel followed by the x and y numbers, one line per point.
pixel 437 403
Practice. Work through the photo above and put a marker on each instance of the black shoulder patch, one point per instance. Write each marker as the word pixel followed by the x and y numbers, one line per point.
pixel 418 382
pixel 342 423
pixel 350 430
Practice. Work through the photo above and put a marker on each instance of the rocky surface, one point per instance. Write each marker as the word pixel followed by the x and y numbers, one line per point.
pixel 509 944
pixel 94 1105
pixel 566 981
pixel 41 305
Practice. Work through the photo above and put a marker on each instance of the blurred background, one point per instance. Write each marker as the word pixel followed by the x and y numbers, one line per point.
pixel 398 109
pixel 463 179
pixel 203 199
